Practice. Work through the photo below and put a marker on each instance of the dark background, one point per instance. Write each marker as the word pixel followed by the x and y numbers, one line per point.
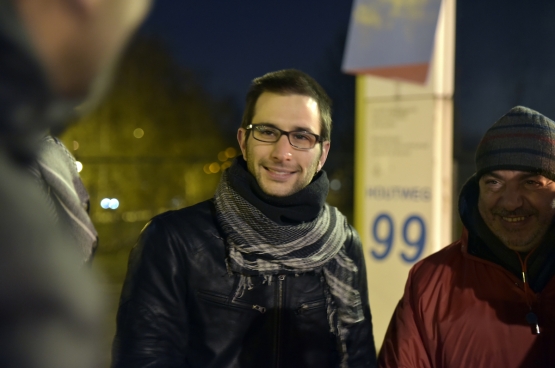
pixel 505 56
pixel 183 80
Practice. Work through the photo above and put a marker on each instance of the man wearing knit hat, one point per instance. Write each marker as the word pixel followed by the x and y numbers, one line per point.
pixel 488 300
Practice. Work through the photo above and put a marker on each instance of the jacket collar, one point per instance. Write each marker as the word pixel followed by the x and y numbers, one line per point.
pixel 303 206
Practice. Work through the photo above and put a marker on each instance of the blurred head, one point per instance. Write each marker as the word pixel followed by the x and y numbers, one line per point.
pixel 77 42
pixel 289 82
pixel 515 164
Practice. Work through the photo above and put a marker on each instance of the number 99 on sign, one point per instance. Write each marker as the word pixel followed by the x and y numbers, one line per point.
pixel 413 231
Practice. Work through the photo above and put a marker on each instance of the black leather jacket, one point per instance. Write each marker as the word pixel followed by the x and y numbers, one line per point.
pixel 177 307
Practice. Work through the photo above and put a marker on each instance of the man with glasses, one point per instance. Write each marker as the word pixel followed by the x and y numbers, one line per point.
pixel 265 274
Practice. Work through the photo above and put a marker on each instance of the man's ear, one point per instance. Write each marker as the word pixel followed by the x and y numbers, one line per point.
pixel 242 139
pixel 324 155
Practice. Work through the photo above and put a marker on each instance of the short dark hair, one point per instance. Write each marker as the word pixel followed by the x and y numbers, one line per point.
pixel 290 82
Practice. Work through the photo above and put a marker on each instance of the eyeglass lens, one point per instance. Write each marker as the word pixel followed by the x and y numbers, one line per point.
pixel 296 139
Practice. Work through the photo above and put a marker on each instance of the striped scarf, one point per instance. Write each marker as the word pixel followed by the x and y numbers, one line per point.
pixel 257 245
pixel 67 198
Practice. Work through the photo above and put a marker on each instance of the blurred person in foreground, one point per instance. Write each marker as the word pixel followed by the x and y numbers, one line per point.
pixel 488 300
pixel 265 274
pixel 53 55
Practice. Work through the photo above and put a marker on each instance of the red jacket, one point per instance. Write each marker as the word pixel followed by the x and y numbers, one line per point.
pixel 459 310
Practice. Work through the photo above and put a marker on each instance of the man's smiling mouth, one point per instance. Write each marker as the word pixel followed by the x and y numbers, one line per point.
pixel 279 171
pixel 514 219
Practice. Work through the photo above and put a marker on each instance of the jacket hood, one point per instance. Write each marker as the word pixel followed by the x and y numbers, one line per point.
pixel 468 200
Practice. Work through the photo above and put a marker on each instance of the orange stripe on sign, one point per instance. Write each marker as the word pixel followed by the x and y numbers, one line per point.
pixel 416 73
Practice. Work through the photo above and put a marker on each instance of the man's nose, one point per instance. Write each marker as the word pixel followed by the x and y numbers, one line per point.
pixel 511 199
pixel 282 149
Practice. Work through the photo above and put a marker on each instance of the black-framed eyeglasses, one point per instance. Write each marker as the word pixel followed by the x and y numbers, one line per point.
pixel 299 139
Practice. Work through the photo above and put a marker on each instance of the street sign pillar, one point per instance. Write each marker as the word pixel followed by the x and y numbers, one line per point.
pixel 403 169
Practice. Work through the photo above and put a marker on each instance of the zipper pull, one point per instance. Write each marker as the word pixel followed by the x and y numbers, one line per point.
pixel 302 308
pixel 259 308
pixel 532 319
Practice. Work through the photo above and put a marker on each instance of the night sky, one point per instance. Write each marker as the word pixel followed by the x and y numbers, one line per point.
pixel 505 54
pixel 505 57
pixel 229 43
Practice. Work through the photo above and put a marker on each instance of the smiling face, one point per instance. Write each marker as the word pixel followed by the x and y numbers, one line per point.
pixel 517 206
pixel 279 168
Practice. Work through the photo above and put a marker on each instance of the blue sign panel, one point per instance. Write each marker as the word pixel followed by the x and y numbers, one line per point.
pixel 385 35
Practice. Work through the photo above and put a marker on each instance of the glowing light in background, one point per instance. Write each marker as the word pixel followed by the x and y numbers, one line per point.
pixel 114 203
pixel 230 152
pixel 138 133
pixel 79 166
pixel 111 203
pixel 75 145
pixel 222 156
pixel 214 167
pixel 105 203
pixel 335 184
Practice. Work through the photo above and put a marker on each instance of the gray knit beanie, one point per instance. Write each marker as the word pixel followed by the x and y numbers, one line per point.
pixel 523 139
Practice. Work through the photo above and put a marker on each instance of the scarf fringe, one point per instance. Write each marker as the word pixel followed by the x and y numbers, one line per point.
pixel 245 283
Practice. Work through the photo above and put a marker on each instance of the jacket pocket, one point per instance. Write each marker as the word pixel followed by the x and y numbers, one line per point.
pixel 225 300
pixel 310 306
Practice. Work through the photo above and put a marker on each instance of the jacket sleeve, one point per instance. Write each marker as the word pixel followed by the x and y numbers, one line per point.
pixel 403 346
pixel 360 339
pixel 152 321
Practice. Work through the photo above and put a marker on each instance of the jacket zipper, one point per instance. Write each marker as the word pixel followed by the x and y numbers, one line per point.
pixel 531 317
pixel 281 279
pixel 256 307
pixel 305 307
pixel 235 303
